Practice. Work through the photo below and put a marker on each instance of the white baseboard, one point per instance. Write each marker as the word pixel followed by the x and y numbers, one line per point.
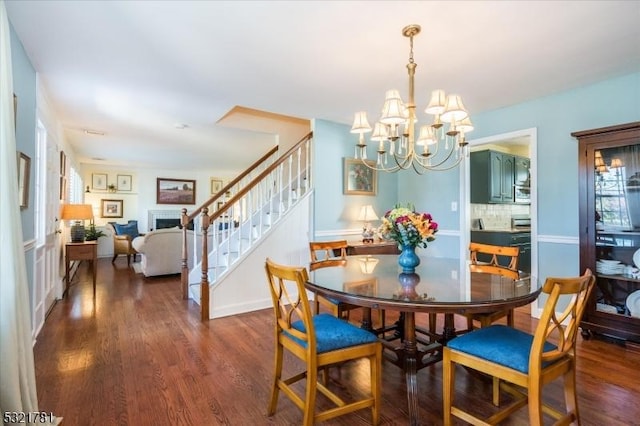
pixel 241 308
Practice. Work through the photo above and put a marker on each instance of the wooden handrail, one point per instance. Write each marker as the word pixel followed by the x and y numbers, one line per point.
pixel 261 176
pixel 230 185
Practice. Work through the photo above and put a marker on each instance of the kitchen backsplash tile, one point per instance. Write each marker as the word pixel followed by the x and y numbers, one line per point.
pixel 497 216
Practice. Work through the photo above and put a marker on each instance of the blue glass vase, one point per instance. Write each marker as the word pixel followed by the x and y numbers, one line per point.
pixel 408 259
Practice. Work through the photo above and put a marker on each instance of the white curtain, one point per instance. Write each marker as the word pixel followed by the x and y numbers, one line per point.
pixel 17 374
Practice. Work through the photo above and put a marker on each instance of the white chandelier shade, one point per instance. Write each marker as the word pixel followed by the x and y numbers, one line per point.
pixel 398 148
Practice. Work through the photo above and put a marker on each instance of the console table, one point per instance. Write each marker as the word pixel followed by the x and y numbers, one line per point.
pixel 80 251
pixel 377 247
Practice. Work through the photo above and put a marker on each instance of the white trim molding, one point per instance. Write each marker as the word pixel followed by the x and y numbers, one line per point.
pixel 558 239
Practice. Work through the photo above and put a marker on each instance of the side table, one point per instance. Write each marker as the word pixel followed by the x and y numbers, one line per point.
pixel 377 247
pixel 80 251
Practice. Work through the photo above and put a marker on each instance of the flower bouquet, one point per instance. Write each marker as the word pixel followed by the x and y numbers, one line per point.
pixel 410 230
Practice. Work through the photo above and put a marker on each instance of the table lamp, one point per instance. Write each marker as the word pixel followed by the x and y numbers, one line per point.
pixel 367 214
pixel 79 213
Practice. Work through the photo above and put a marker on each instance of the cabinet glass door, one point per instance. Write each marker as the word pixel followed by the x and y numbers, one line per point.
pixel 617 203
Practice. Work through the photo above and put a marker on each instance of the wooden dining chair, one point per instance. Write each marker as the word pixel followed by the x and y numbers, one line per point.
pixel 491 259
pixel 326 254
pixel 528 361
pixel 334 253
pixel 319 341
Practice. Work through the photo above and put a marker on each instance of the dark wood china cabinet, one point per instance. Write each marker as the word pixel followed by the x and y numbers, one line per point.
pixel 609 189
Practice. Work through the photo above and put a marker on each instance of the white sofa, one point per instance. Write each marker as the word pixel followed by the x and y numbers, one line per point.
pixel 161 251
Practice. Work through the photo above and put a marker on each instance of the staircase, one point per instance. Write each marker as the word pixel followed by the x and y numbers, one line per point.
pixel 232 224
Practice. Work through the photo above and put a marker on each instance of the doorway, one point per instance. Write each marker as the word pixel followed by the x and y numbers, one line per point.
pixel 524 142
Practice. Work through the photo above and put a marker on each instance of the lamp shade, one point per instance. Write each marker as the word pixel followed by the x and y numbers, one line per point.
pixel 392 110
pixel 436 104
pixel 77 211
pixel 360 123
pixel 380 132
pixel 454 109
pixel 465 125
pixel 367 213
pixel 426 136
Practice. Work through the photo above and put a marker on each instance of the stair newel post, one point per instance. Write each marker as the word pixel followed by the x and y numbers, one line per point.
pixel 204 282
pixel 184 269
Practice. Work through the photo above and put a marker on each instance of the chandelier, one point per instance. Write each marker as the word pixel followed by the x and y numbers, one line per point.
pixel 434 149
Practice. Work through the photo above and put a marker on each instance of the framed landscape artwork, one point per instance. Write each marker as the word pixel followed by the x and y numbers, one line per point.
pixel 111 208
pixel 358 178
pixel 175 191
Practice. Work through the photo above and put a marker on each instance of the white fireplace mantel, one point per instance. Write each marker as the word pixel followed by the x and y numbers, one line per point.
pixel 161 214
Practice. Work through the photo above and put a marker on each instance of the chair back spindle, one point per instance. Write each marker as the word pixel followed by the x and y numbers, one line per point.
pixel 495 254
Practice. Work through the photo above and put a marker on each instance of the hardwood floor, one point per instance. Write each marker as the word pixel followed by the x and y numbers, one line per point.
pixel 137 354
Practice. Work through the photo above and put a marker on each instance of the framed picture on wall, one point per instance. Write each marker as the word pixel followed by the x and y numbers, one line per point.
pixel 175 191
pixel 99 181
pixel 111 208
pixel 124 182
pixel 24 169
pixel 216 185
pixel 358 178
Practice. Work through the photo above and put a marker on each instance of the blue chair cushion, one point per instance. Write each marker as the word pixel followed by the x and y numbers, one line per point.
pixel 500 344
pixel 333 333
pixel 130 229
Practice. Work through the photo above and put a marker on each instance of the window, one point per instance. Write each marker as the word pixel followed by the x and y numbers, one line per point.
pixel 617 186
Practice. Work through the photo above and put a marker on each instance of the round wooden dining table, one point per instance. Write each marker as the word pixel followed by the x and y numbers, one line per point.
pixel 438 286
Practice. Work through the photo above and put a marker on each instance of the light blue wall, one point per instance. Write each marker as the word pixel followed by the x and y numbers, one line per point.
pixel 610 102
pixel 335 212
pixel 607 103
pixel 433 192
pixel 24 87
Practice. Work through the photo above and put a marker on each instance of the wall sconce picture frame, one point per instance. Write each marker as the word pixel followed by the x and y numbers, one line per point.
pixel 175 191
pixel 216 185
pixel 124 182
pixel 99 181
pixel 111 208
pixel 359 179
pixel 24 171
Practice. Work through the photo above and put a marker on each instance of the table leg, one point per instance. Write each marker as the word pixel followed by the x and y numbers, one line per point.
pixel 366 323
pixel 449 331
pixel 410 347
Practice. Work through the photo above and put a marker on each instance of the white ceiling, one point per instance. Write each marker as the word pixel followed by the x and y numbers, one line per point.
pixel 135 69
